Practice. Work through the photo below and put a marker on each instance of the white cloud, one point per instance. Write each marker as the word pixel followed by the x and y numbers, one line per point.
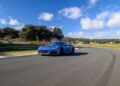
pixel 76 34
pixel 18 27
pixel 92 2
pixel 46 16
pixel 13 22
pixel 3 21
pixel 10 21
pixel 114 20
pixel 92 35
pixel 118 33
pixel 100 34
pixel 96 23
pixel 52 27
pixel 87 23
pixel 101 20
pixel 103 15
pixel 71 13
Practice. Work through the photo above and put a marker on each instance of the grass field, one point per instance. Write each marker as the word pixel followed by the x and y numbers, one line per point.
pixel 112 46
pixel 19 53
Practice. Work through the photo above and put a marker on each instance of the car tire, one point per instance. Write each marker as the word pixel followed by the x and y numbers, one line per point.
pixel 61 52
pixel 39 53
pixel 73 51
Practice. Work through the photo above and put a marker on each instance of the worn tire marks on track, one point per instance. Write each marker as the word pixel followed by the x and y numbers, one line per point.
pixel 103 81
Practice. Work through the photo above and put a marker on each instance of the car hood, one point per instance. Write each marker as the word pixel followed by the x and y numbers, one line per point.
pixel 47 48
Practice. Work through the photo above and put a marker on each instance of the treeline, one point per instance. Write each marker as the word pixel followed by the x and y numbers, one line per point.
pixel 32 33
pixel 88 41
pixel 43 33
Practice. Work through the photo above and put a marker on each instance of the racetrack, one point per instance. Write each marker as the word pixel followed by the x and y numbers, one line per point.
pixel 87 67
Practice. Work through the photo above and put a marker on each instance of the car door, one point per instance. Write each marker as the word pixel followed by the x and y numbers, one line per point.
pixel 67 48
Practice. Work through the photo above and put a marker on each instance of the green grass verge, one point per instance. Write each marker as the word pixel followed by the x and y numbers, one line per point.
pixel 19 53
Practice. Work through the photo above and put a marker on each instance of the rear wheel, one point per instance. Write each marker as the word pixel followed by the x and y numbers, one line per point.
pixel 61 52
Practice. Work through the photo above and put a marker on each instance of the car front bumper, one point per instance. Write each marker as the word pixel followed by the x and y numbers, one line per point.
pixel 47 52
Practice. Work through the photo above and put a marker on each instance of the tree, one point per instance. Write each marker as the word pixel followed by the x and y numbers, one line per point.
pixel 57 33
pixel 40 33
pixel 1 34
pixel 8 32
pixel 33 33
pixel 28 32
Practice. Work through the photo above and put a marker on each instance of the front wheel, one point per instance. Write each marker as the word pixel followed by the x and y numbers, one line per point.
pixel 39 53
pixel 73 51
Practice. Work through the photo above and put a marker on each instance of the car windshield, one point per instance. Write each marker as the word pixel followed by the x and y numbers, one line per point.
pixel 56 44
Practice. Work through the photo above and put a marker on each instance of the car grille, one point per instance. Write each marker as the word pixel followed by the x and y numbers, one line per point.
pixel 44 51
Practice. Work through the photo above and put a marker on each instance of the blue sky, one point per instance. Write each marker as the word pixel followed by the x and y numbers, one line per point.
pixel 77 18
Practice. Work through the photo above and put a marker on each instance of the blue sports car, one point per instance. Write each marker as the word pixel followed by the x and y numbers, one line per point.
pixel 56 48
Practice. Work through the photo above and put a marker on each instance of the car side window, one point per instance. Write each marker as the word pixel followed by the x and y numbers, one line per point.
pixel 66 44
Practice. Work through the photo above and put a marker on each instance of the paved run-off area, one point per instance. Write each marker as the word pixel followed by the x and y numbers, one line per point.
pixel 87 67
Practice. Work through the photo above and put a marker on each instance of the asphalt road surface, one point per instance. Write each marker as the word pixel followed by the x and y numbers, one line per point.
pixel 87 67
